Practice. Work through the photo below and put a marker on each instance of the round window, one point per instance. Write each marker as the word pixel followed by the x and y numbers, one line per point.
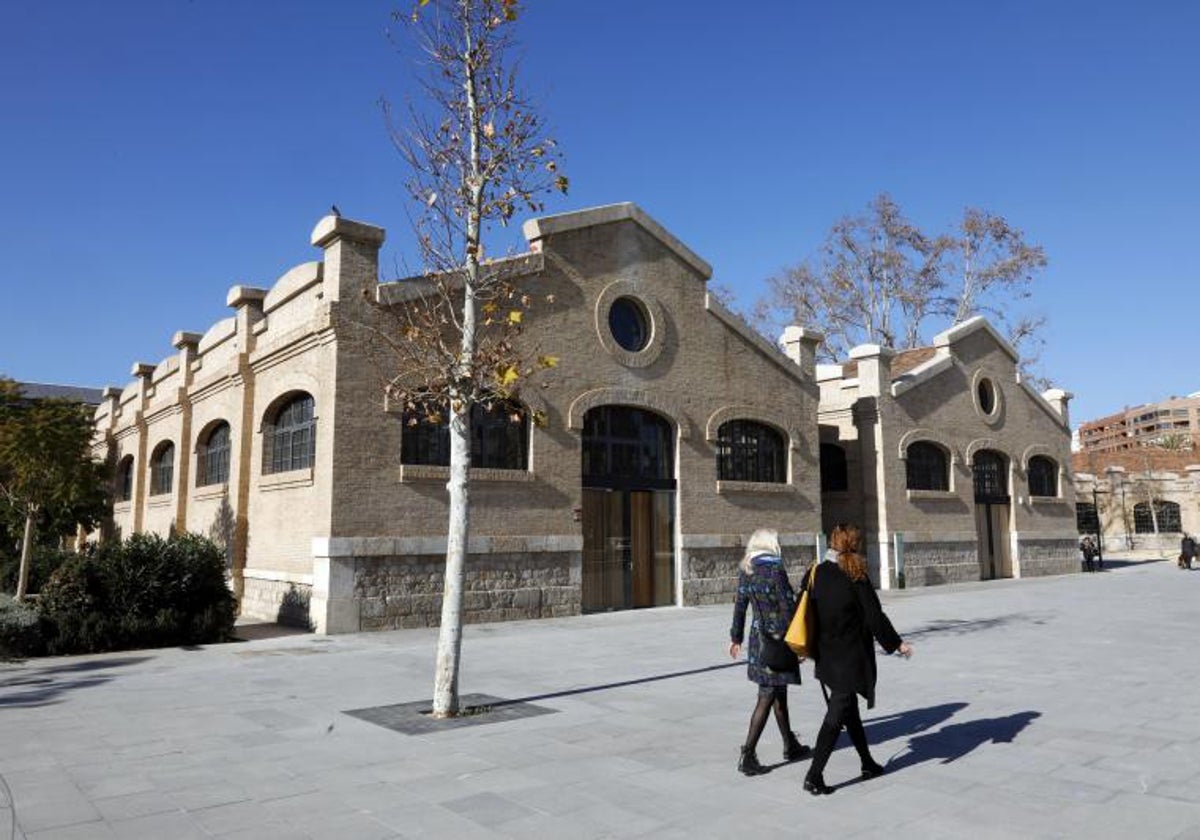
pixel 987 396
pixel 629 325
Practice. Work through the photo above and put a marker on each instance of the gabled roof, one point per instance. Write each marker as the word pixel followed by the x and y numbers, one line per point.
pixel 536 229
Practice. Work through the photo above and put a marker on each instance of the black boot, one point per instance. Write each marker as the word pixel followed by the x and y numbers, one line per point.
pixel 748 764
pixel 816 785
pixel 793 750
pixel 872 770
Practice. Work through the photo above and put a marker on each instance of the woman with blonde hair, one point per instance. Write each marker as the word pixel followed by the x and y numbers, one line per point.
pixel 846 621
pixel 763 584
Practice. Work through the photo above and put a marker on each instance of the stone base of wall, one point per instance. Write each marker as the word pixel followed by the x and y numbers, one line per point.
pixel 710 574
pixel 278 601
pixel 934 563
pixel 1049 557
pixel 401 592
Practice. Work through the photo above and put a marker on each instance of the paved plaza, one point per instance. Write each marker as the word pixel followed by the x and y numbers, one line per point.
pixel 1054 707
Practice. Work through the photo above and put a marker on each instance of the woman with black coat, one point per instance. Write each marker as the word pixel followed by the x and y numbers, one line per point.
pixel 763 584
pixel 846 621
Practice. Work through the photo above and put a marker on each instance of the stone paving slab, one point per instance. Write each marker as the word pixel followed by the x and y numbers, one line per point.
pixel 1052 707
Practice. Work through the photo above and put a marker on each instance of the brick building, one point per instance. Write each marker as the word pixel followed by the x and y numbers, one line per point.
pixel 672 430
pixel 957 468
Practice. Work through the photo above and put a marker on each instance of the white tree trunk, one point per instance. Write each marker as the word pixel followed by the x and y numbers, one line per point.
pixel 445 684
pixel 26 554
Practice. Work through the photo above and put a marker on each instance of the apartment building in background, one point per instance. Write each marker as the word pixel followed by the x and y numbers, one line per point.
pixel 1173 419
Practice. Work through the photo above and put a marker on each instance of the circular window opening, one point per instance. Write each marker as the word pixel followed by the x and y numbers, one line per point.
pixel 629 324
pixel 987 396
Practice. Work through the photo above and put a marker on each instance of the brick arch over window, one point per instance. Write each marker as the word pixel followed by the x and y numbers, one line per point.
pixel 658 403
pixel 914 435
pixel 1036 449
pixel 978 445
pixel 723 415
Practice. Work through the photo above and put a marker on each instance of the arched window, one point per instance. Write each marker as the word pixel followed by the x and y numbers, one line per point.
pixel 750 451
pixel 1043 476
pixel 834 476
pixel 125 479
pixel 499 437
pixel 162 469
pixel 212 457
pixel 1167 514
pixel 626 447
pixel 926 466
pixel 1086 519
pixel 290 436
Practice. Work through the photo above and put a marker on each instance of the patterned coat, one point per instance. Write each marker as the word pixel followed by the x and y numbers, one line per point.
pixel 768 590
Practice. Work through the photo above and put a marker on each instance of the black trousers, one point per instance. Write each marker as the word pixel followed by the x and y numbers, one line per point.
pixel 841 711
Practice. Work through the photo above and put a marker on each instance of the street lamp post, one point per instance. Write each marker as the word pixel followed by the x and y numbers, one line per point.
pixel 1099 527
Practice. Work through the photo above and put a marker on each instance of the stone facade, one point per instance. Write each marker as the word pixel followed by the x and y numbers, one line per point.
pixel 1114 490
pixel 965 398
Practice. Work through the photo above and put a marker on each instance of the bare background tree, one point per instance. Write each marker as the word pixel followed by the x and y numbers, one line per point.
pixel 878 279
pixel 476 154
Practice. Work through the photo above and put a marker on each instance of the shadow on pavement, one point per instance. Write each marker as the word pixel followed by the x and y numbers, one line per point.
pixel 954 741
pixel 606 686
pixel 42 686
pixel 959 627
pixel 901 724
pixel 1120 564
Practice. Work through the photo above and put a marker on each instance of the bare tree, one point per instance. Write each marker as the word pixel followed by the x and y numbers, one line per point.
pixel 879 279
pixel 476 154
pixel 876 279
pixel 993 268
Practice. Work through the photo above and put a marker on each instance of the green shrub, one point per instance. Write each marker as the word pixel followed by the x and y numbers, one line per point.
pixel 45 560
pixel 144 592
pixel 22 630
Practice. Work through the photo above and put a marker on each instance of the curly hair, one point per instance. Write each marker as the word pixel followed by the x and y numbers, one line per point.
pixel 846 540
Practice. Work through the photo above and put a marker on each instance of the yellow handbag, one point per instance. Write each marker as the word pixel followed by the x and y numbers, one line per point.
pixel 797 637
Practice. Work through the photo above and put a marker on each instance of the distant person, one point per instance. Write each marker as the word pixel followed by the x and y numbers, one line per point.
pixel 847 620
pixel 1088 547
pixel 1187 551
pixel 763 584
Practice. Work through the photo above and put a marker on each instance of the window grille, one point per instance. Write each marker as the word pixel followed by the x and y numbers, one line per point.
pixel 162 470
pixel 1086 519
pixel 927 467
pixel 499 438
pixel 750 451
pixel 1043 476
pixel 290 438
pixel 1166 512
pixel 990 479
pixel 214 457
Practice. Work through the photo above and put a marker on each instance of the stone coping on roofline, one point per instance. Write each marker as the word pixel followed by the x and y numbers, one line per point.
pixel 536 229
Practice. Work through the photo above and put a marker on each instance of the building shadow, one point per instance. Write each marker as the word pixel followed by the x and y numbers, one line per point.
pixel 44 686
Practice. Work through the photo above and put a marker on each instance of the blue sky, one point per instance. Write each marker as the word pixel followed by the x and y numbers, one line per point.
pixel 156 152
